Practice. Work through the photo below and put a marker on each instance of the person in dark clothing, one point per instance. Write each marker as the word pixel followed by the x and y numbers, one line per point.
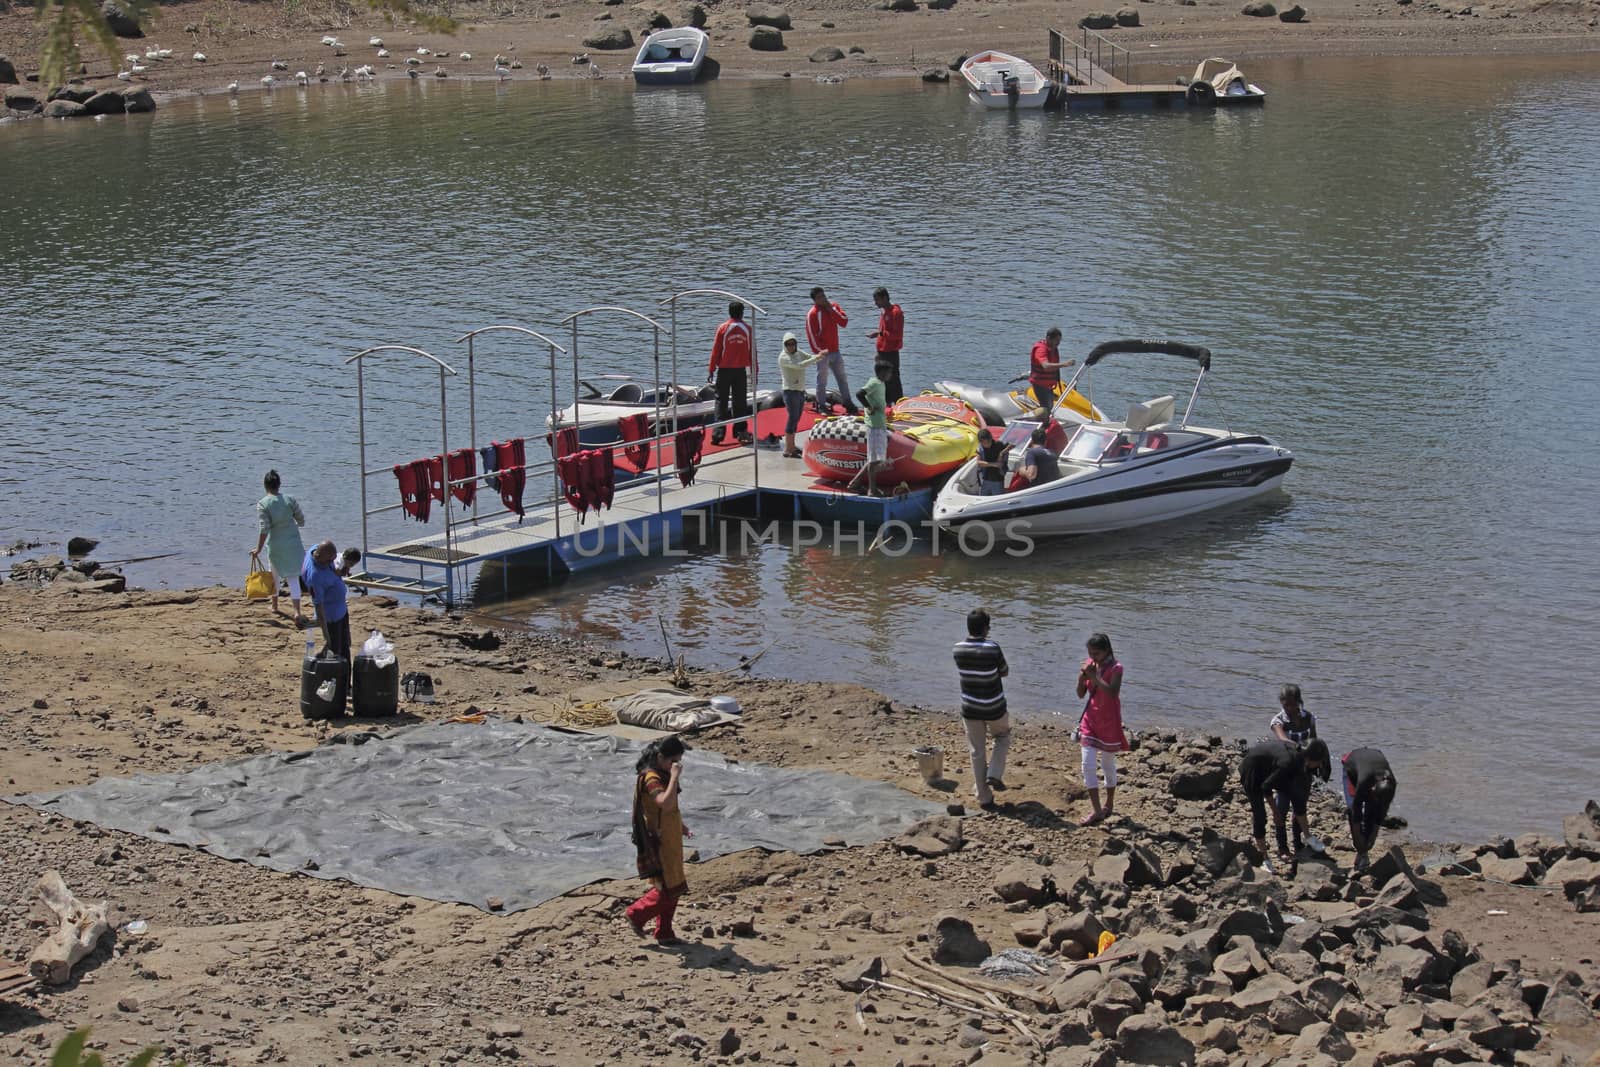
pixel 991 464
pixel 1039 463
pixel 1277 774
pixel 1369 787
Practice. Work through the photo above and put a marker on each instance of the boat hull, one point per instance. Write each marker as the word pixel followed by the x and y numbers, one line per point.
pixel 667 74
pixel 1222 477
pixel 598 419
pixel 1002 102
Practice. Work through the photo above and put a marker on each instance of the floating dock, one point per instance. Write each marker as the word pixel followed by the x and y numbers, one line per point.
pixel 652 511
pixel 1095 72
pixel 649 516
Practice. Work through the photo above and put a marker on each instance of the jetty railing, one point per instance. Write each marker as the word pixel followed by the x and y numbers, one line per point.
pixel 1093 59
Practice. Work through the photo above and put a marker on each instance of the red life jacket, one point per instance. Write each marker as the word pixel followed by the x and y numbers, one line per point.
pixel 574 471
pixel 413 479
pixel 435 469
pixel 602 471
pixel 686 448
pixel 564 442
pixel 464 464
pixel 510 462
pixel 636 428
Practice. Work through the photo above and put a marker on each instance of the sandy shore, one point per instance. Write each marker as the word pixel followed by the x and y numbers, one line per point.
pixel 244 965
pixel 241 41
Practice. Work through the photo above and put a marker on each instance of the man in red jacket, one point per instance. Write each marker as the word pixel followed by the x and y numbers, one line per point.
pixel 822 334
pixel 731 355
pixel 890 334
pixel 1044 370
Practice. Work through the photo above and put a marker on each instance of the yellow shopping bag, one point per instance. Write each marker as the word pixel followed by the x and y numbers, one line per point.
pixel 259 584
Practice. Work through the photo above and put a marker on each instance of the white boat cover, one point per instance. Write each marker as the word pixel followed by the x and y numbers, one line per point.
pixel 459 812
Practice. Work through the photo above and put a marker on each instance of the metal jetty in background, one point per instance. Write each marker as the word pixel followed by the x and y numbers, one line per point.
pixel 1095 72
pixel 654 513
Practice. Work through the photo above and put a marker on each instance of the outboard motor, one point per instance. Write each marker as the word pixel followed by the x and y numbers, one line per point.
pixel 1013 88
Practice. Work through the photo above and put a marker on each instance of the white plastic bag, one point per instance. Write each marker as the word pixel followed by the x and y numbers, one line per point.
pixel 379 649
pixel 327 689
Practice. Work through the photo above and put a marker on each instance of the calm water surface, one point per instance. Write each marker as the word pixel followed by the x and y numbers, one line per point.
pixel 1394 262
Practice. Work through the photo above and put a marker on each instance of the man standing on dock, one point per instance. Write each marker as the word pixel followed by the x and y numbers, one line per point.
pixel 981 665
pixel 1044 370
pixel 731 354
pixel 890 334
pixel 822 335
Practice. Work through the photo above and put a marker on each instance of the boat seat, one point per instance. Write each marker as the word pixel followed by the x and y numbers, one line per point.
pixel 1150 413
pixel 629 393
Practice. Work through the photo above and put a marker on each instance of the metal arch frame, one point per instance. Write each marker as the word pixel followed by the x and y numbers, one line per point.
pixel 755 360
pixel 472 394
pixel 577 409
pixel 445 371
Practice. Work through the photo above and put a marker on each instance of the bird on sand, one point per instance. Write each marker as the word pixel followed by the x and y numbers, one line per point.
pixel 543 72
pixel 233 87
pixel 503 72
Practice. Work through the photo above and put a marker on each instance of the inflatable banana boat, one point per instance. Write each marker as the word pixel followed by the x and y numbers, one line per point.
pixel 929 435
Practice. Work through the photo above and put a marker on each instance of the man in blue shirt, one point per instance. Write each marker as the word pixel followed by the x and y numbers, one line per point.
pixel 328 594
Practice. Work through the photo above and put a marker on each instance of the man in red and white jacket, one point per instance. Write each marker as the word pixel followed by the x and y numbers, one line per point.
pixel 822 334
pixel 732 353
pixel 890 335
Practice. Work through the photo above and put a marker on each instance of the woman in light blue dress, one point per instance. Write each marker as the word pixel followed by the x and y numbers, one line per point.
pixel 280 520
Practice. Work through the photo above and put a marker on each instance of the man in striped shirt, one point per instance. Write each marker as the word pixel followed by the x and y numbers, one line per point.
pixel 981 665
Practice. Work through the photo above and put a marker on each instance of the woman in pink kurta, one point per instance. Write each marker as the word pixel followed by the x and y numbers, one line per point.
pixel 1100 728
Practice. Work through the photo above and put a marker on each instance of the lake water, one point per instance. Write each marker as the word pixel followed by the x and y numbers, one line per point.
pixel 1395 263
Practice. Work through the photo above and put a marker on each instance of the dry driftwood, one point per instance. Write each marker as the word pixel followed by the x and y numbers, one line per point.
pixel 80 930
pixel 1043 1001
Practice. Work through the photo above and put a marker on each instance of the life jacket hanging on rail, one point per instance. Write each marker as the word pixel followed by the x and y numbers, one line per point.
pixel 602 470
pixel 464 464
pixel 486 453
pixel 564 442
pixel 686 449
pixel 413 479
pixel 574 471
pixel 635 428
pixel 435 477
pixel 510 461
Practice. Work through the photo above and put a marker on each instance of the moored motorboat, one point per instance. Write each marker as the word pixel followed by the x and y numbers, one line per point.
pixel 929 435
pixel 606 399
pixel 1218 82
pixel 670 57
pixel 1149 468
pixel 1000 81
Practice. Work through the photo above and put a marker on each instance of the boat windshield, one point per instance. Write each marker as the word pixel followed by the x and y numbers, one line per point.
pixel 1088 444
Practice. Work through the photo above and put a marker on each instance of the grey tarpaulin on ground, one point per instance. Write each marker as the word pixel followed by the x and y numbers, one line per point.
pixel 459 812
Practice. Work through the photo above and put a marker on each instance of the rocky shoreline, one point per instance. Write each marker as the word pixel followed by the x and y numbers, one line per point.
pixel 214 46
pixel 1481 954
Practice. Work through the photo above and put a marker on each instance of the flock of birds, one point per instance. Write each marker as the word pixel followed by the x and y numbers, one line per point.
pixel 503 65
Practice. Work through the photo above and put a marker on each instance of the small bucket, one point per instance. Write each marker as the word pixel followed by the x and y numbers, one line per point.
pixel 930 762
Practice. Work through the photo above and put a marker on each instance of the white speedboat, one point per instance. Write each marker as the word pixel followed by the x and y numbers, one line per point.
pixel 1000 81
pixel 606 398
pixel 1149 468
pixel 670 57
pixel 1218 82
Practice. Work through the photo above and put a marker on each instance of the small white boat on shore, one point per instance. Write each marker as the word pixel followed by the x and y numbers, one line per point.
pixel 670 57
pixel 1000 81
pixel 1218 82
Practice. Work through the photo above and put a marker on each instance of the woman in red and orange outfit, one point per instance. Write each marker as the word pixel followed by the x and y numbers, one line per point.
pixel 658 834
pixel 1100 729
